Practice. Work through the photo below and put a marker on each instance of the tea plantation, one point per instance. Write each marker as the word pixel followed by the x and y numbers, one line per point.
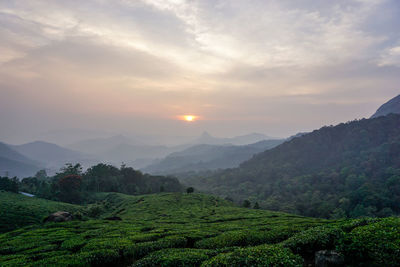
pixel 177 229
pixel 17 210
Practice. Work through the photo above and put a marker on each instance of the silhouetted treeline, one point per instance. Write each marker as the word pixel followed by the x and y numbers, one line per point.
pixel 73 185
pixel 348 170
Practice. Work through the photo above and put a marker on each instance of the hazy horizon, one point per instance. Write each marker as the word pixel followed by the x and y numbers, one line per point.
pixel 135 67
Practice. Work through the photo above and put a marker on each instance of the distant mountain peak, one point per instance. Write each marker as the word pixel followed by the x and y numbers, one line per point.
pixel 392 106
pixel 205 134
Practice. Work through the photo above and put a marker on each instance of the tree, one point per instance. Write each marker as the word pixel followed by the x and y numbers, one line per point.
pixel 8 184
pixel 256 206
pixel 40 175
pixel 102 178
pixel 190 190
pixel 246 204
pixel 70 187
pixel 69 169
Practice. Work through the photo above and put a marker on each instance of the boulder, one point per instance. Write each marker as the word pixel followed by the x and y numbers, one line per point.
pixel 59 216
pixel 328 258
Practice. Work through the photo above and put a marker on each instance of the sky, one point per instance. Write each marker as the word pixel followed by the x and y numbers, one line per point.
pixel 276 67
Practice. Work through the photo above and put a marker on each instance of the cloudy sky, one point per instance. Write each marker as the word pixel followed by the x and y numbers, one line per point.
pixel 133 66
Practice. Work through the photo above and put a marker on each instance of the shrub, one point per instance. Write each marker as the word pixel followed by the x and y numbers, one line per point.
pixel 95 210
pixel 264 255
pixel 102 257
pixel 246 204
pixel 137 251
pixel 73 244
pixel 245 238
pixel 176 257
pixel 18 261
pixel 306 243
pixel 61 261
pixel 376 244
pixel 190 190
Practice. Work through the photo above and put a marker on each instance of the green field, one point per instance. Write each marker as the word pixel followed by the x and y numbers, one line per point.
pixel 177 229
pixel 17 210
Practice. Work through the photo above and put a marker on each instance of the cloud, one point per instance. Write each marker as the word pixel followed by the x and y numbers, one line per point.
pixel 227 60
pixel 390 57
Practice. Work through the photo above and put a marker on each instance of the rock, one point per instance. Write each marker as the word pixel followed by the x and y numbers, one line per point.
pixel 113 218
pixel 59 216
pixel 328 258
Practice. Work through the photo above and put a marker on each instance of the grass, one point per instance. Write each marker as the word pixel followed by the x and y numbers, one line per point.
pixel 176 229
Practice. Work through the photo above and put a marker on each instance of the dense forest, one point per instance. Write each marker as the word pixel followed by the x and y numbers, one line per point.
pixel 72 185
pixel 348 170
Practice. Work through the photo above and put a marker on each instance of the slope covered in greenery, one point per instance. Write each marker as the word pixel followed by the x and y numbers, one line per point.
pixel 176 229
pixel 352 169
pixel 17 210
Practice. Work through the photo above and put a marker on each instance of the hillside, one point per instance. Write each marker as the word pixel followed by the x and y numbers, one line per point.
pixel 52 155
pixel 207 139
pixel 392 106
pixel 352 169
pixel 178 229
pixel 16 164
pixel 17 210
pixel 208 157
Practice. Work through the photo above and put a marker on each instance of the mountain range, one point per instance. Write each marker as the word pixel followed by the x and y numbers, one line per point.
pixel 205 152
pixel 13 163
pixel 208 157
pixel 26 159
pixel 133 152
pixel 51 155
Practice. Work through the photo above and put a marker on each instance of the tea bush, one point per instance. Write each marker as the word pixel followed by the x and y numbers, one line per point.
pixel 375 244
pixel 245 238
pixel 175 229
pixel 176 257
pixel 306 243
pixel 264 255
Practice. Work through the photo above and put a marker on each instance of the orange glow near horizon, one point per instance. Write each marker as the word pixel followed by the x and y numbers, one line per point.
pixel 188 118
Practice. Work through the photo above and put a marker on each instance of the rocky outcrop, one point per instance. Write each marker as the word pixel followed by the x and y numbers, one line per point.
pixel 328 258
pixel 59 216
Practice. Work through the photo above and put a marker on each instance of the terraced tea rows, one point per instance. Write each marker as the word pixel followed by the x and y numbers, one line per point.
pixel 175 229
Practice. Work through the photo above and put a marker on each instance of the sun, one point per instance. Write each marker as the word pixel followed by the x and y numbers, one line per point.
pixel 188 118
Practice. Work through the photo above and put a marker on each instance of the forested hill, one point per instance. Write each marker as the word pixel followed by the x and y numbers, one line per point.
pixel 333 146
pixel 352 169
